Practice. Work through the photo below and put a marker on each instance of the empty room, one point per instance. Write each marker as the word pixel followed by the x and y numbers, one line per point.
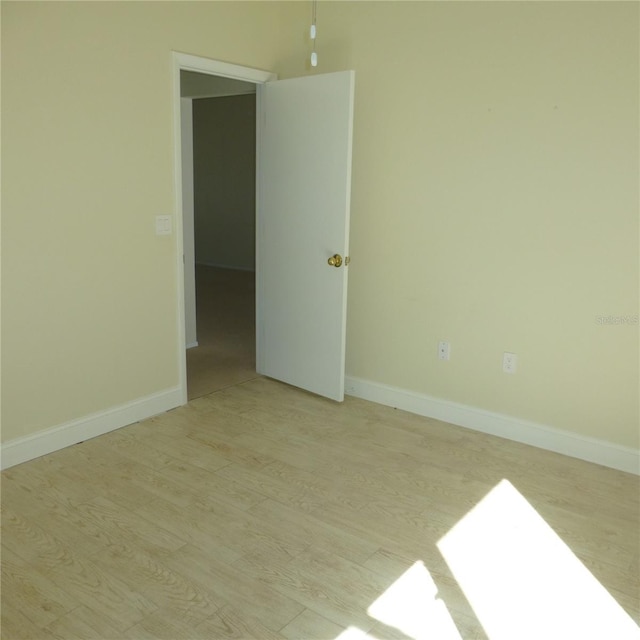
pixel 433 428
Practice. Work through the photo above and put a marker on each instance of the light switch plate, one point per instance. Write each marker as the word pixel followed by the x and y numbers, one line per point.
pixel 163 225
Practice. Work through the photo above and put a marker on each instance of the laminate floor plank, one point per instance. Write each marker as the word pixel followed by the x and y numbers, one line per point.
pixel 310 624
pixel 342 600
pixel 262 511
pixel 44 479
pixel 83 624
pixel 70 528
pixel 121 470
pixel 196 482
pixel 229 623
pixel 233 530
pixel 34 543
pixel 162 449
pixel 149 574
pixel 128 526
pixel 15 625
pixel 74 572
pixel 72 469
pixel 487 453
pixel 229 449
pixel 314 531
pixel 165 624
pixel 96 524
pixel 22 588
pixel 255 480
pixel 262 602
pixel 193 524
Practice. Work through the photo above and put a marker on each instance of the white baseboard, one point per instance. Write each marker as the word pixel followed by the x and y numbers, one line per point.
pixel 192 345
pixel 39 444
pixel 565 442
pixel 570 444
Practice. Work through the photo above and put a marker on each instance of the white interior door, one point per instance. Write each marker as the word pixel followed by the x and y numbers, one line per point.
pixel 304 189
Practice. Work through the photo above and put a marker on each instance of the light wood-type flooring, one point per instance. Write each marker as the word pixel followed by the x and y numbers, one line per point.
pixel 225 318
pixel 262 511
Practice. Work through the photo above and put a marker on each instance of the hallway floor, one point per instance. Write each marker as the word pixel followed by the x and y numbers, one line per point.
pixel 226 351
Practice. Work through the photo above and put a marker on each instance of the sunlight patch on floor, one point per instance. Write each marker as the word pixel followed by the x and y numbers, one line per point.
pixel 412 606
pixel 523 581
pixel 354 633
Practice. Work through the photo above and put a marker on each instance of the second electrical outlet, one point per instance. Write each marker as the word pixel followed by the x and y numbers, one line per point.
pixel 509 362
pixel 444 350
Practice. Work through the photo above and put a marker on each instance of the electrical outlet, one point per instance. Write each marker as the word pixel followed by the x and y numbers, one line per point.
pixel 509 362
pixel 444 350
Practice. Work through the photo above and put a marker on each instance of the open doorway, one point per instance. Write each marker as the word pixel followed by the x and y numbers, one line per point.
pixel 304 176
pixel 219 177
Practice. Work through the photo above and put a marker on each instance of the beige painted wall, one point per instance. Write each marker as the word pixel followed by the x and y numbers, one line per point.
pixel 495 204
pixel 89 290
pixel 495 198
pixel 224 151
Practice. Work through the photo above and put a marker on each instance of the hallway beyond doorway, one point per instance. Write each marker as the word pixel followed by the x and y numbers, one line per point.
pixel 226 351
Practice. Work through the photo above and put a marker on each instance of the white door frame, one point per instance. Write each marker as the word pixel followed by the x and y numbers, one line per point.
pixel 188 222
pixel 186 62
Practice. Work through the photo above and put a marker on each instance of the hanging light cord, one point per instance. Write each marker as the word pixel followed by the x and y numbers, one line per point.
pixel 313 32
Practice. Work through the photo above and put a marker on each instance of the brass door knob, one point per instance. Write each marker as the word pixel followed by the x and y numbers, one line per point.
pixel 335 261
